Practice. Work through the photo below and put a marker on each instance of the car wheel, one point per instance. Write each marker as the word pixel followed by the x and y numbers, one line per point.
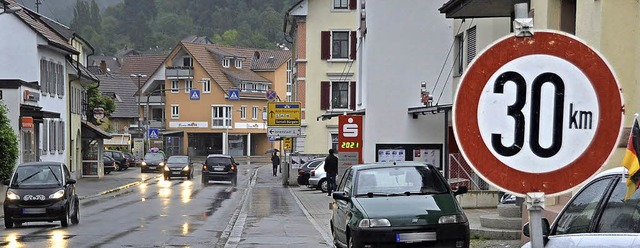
pixel 66 218
pixel 189 176
pixel 7 222
pixel 323 185
pixel 335 237
pixel 234 181
pixel 75 218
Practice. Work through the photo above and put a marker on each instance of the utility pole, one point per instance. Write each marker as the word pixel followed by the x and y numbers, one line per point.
pixel 140 129
pixel 38 2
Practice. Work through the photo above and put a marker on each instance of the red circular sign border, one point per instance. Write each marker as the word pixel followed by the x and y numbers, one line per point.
pixel 477 76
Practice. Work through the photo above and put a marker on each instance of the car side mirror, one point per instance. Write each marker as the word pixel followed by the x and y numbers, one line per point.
pixel 5 182
pixel 339 195
pixel 237 163
pixel 545 228
pixel 71 181
pixel 460 190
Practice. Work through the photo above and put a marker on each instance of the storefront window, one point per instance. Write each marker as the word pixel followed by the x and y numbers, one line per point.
pixel 90 157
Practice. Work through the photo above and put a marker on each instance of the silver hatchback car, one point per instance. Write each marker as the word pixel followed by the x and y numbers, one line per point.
pixel 318 178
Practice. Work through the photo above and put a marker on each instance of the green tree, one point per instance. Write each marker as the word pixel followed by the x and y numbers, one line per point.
pixel 96 100
pixel 8 145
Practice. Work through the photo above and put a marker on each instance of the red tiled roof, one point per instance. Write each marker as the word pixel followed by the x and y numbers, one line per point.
pixel 269 60
pixel 32 19
pixel 141 64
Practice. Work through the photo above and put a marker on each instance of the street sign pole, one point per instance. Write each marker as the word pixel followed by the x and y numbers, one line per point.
pixel 535 205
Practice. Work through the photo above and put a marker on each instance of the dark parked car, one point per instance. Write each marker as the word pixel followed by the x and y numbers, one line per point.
pixel 178 166
pixel 41 191
pixel 220 167
pixel 305 170
pixel 119 157
pixel 152 162
pixel 109 164
pixel 596 216
pixel 396 205
pixel 131 160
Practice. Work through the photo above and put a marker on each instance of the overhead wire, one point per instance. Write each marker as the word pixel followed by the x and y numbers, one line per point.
pixel 446 58
pixel 452 66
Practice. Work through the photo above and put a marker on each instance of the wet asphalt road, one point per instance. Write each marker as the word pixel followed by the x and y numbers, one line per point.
pixel 158 213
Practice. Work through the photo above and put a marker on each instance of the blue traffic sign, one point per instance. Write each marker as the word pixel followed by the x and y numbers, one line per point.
pixel 194 95
pixel 271 95
pixel 234 95
pixel 272 139
pixel 153 133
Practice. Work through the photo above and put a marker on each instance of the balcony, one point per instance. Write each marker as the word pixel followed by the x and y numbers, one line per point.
pixel 179 72
pixel 156 124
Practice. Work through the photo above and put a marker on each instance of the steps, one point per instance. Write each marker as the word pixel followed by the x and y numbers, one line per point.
pixel 506 225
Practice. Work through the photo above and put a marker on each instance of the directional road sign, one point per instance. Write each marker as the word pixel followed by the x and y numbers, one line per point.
pixel 283 114
pixel 284 131
pixel 234 95
pixel 153 133
pixel 537 114
pixel 194 95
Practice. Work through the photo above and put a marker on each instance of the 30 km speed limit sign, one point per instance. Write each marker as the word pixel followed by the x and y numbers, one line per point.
pixel 538 114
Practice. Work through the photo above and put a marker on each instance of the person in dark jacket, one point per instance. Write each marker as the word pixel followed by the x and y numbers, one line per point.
pixel 331 167
pixel 275 160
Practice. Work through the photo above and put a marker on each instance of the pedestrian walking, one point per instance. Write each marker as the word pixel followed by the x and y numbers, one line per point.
pixel 275 160
pixel 331 167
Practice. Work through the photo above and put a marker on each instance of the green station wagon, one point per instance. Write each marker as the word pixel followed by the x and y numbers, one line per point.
pixel 402 204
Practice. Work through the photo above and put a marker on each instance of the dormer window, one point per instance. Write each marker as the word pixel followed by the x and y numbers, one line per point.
pixel 225 63
pixel 187 62
pixel 238 64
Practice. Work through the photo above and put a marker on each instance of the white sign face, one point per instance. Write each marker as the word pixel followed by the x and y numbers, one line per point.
pixel 538 113
pixel 284 131
pixel 178 124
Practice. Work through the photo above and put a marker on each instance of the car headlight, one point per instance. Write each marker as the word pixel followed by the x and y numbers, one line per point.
pixel 374 223
pixel 450 219
pixel 166 168
pixel 57 195
pixel 144 163
pixel 186 168
pixel 12 195
pixel 161 163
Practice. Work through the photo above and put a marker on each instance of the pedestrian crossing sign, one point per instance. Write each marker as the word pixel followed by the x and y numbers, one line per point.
pixel 234 95
pixel 194 95
pixel 153 133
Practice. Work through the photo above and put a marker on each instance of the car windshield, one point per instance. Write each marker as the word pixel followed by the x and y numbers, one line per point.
pixel 401 180
pixel 178 160
pixel 153 157
pixel 218 160
pixel 37 176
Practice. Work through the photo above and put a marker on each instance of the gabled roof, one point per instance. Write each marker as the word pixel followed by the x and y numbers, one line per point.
pixel 113 64
pixel 145 64
pixel 209 56
pixel 123 88
pixel 36 23
pixel 197 39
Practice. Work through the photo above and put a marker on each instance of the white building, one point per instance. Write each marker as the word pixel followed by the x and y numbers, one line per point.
pixel 403 45
pixel 33 52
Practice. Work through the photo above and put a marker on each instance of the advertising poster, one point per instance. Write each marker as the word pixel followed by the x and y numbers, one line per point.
pixel 430 156
pixel 391 155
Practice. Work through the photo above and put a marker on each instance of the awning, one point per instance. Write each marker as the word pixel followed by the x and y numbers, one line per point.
pixel 415 111
pixel 36 112
pixel 92 132
pixel 329 115
pixel 172 133
pixel 459 9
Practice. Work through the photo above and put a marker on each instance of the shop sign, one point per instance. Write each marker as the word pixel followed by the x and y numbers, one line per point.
pixel 350 135
pixel 27 122
pixel 187 124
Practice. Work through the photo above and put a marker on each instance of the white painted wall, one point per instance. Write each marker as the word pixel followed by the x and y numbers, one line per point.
pixel 406 43
pixel 19 49
pixel 55 103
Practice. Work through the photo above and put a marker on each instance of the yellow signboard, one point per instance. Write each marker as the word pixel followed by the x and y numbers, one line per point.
pixel 283 114
pixel 287 143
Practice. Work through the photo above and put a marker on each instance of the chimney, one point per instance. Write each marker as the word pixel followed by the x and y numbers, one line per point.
pixel 103 67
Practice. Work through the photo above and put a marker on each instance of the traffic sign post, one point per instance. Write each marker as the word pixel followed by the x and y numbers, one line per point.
pixel 537 115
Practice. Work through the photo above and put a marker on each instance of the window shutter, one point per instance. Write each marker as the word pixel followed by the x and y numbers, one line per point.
pixel 353 4
pixel 325 45
pixel 45 135
pixel 352 95
pixel 353 41
pixel 62 82
pixel 325 94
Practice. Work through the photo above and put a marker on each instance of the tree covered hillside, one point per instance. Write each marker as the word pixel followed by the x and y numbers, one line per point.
pixel 161 24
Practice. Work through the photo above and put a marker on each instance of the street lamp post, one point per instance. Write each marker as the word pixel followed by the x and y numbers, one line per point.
pixel 139 76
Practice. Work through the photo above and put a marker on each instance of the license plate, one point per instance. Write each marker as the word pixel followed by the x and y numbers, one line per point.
pixel 152 167
pixel 218 168
pixel 34 210
pixel 415 237
pixel 175 173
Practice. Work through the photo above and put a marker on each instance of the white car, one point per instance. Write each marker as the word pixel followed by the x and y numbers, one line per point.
pixel 597 216
pixel 318 178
